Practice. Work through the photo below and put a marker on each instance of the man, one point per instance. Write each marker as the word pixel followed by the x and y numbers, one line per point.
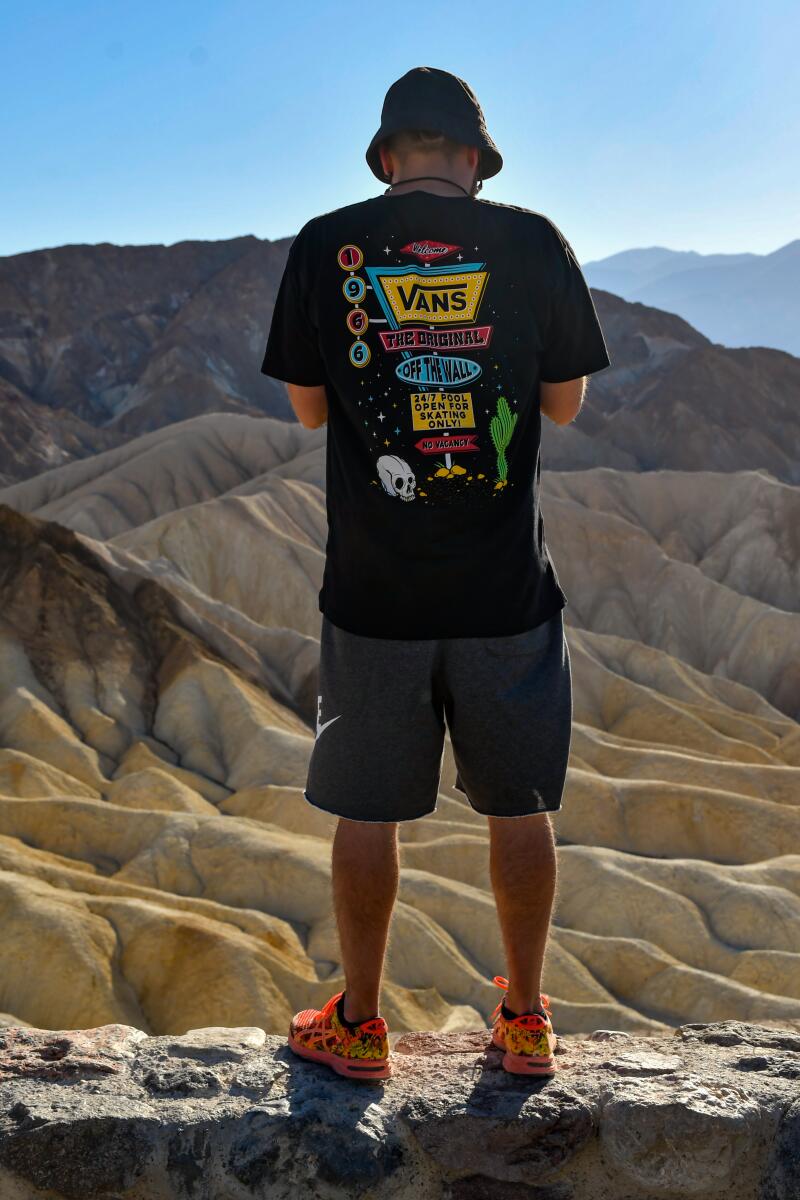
pixel 430 330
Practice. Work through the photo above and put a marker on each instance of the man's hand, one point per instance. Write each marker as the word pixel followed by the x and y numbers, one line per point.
pixel 310 404
pixel 561 402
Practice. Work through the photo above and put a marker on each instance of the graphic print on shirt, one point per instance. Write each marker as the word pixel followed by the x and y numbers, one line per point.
pixel 432 333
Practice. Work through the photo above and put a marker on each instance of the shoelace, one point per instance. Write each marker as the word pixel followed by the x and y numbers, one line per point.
pixel 544 1001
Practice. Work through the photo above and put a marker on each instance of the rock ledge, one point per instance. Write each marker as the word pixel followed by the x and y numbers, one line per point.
pixel 231 1114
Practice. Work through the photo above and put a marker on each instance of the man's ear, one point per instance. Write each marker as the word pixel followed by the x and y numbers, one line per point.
pixel 386 162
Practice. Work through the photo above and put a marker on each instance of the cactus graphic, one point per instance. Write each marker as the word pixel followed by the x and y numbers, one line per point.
pixel 501 427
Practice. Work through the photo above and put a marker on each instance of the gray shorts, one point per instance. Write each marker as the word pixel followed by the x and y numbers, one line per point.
pixel 381 709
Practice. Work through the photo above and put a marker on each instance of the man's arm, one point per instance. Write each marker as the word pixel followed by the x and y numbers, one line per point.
pixel 574 347
pixel 310 404
pixel 293 353
pixel 561 402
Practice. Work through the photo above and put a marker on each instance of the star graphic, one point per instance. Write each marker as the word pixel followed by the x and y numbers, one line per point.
pixel 381 416
pixel 386 250
pixel 397 430
pixel 386 442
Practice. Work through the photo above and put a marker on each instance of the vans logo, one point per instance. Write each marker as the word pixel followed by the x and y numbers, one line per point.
pixel 439 296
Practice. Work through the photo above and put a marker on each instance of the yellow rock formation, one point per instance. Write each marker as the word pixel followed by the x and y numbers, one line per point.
pixel 159 864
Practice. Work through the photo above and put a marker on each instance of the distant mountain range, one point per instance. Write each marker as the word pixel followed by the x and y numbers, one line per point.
pixel 101 344
pixel 736 299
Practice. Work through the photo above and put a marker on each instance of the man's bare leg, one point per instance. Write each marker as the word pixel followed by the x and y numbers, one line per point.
pixel 366 874
pixel 523 871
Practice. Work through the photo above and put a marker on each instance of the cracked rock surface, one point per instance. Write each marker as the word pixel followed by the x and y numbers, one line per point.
pixel 109 1113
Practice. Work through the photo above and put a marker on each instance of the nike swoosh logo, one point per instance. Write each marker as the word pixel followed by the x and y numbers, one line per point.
pixel 325 724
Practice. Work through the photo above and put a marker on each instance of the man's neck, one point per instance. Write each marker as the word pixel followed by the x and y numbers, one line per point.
pixel 438 186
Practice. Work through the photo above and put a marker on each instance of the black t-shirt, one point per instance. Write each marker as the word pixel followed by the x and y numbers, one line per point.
pixel 431 320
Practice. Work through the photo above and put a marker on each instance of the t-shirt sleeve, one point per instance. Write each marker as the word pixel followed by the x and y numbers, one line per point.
pixel 292 353
pixel 574 343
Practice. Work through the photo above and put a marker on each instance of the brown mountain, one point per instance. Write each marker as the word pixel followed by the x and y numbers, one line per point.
pixel 127 339
pixel 674 400
pixel 34 438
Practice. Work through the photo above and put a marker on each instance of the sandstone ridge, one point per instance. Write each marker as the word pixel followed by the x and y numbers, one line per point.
pixel 160 867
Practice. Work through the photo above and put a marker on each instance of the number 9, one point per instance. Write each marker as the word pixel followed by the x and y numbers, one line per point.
pixel 354 289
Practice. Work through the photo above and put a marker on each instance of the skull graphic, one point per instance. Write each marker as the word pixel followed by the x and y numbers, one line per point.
pixel 396 476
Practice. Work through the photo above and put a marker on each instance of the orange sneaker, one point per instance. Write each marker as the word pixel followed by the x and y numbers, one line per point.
pixel 360 1053
pixel 528 1040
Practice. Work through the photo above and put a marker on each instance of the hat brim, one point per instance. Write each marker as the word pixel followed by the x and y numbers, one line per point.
pixel 491 160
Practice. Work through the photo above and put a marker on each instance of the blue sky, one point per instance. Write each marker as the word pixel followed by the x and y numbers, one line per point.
pixel 628 124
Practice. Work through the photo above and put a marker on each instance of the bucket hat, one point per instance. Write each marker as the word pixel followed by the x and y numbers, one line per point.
pixel 428 98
